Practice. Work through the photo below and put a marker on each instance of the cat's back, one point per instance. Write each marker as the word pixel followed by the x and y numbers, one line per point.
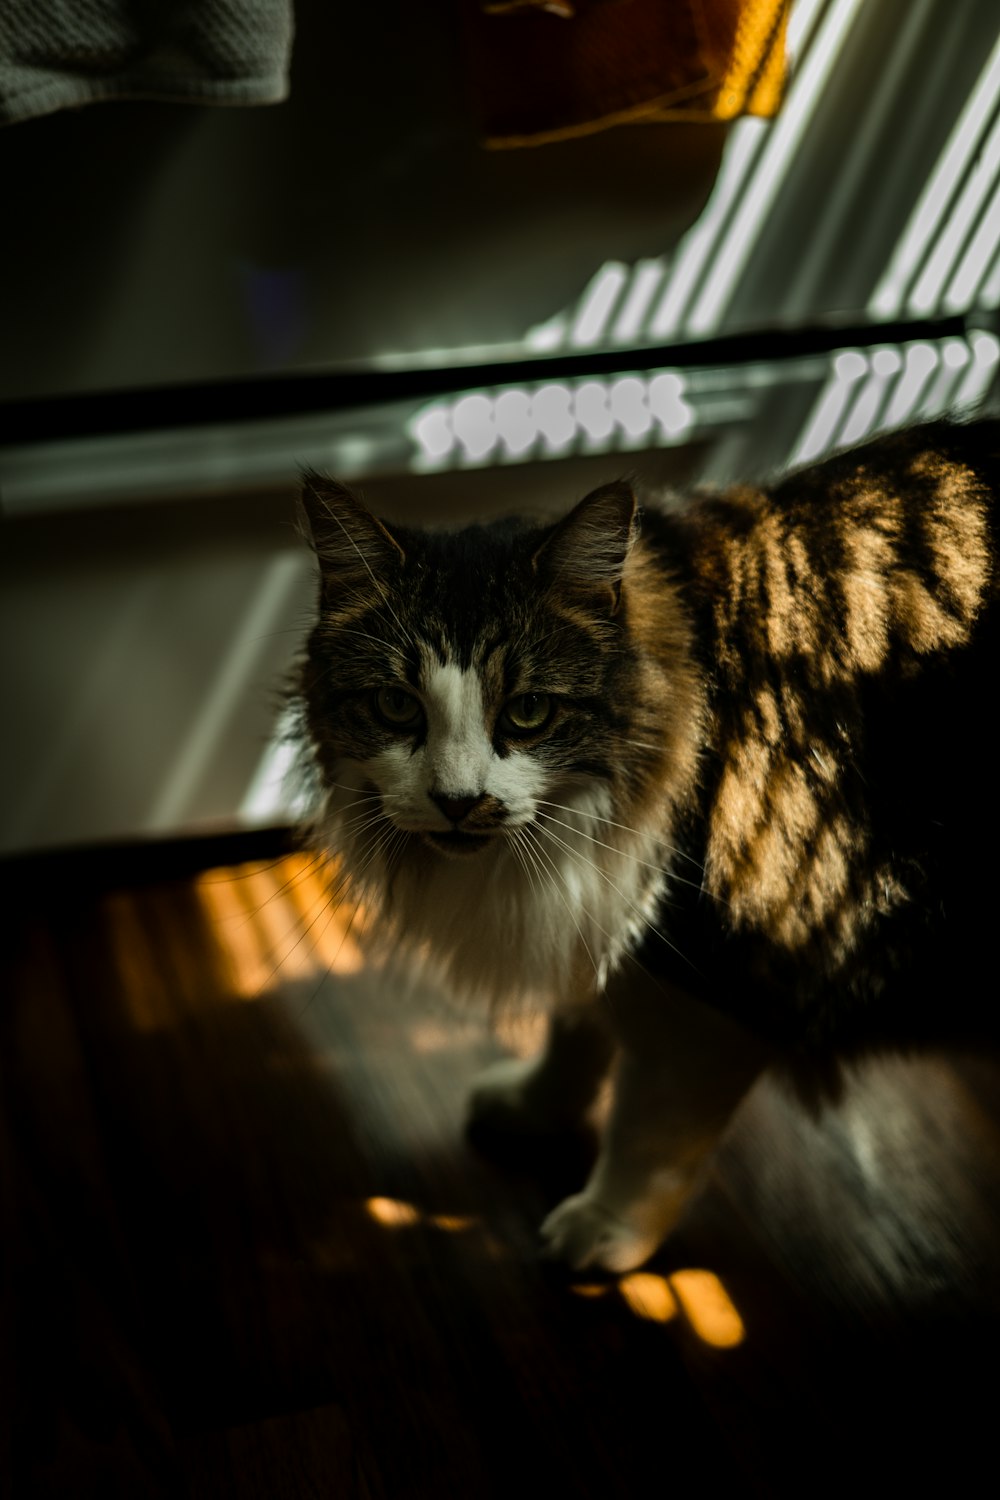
pixel 848 625
pixel 872 562
pixel 900 539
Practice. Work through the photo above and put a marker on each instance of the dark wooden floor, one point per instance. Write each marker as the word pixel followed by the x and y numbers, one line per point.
pixel 247 1253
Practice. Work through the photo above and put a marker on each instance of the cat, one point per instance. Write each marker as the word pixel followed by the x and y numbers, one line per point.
pixel 712 782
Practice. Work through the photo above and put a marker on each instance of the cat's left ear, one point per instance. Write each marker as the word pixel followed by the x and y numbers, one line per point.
pixel 587 551
pixel 354 547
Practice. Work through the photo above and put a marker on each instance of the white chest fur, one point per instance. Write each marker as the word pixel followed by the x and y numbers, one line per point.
pixel 547 909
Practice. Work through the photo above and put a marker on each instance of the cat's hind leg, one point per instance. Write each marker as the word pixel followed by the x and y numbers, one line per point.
pixel 682 1070
pixel 549 1094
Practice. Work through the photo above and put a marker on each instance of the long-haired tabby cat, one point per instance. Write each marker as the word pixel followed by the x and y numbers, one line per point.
pixel 716 784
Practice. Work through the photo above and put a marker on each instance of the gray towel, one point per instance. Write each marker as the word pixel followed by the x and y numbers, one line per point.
pixel 60 53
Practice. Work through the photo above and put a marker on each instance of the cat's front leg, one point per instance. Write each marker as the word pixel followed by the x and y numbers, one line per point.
pixel 551 1093
pixel 682 1070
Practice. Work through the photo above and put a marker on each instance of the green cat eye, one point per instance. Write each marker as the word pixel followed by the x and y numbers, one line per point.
pixel 526 713
pixel 397 708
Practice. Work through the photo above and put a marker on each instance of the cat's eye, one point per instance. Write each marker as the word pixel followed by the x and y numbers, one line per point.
pixel 397 708
pixel 527 713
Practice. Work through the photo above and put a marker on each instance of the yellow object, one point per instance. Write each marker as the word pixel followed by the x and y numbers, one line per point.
pixel 542 71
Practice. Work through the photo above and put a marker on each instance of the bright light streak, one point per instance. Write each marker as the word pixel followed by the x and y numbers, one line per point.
pixel 546 337
pixel 597 304
pixel 265 799
pixel 551 410
pixel 939 395
pixel 887 361
pixel 964 285
pixel 800 24
pixel 645 280
pixel 982 369
pixel 784 135
pixel 628 406
pixel 513 420
pixel 743 149
pixel 849 366
pixel 870 399
pixel 919 363
pixel 432 430
pixel 933 203
pixel 864 409
pixel 955 354
pixel 591 409
pixel 666 402
pixel 238 940
pixel 989 294
pixel 274 915
pixel 698 245
pixel 929 289
pixel 472 422
pixel 273 923
pixel 592 413
pixel 325 920
pixel 280 582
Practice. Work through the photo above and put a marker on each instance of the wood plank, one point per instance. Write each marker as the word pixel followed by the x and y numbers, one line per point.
pixel 85 1415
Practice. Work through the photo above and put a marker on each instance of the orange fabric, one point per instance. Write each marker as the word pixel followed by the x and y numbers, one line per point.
pixel 546 69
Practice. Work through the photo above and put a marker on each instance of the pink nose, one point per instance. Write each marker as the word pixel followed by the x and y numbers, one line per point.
pixel 455 808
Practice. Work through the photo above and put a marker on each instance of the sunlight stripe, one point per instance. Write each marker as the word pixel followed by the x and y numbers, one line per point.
pixel 783 139
pixel 972 268
pixel 933 203
pixel 930 285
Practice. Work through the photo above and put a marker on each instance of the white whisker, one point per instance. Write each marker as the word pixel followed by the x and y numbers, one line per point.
pixel 572 916
pixel 610 823
pixel 646 864
pixel 646 921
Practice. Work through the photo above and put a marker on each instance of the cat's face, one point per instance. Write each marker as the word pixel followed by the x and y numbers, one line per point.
pixel 459 687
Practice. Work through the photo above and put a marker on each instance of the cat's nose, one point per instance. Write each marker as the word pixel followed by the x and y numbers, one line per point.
pixel 455 808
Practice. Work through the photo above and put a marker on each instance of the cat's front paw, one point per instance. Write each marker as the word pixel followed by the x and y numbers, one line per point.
pixel 582 1233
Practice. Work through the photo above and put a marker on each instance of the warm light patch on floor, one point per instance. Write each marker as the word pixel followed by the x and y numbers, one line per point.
pixel 391 1212
pixel 279 921
pixel 395 1213
pixel 264 895
pixel 331 928
pixel 706 1304
pixel 450 1223
pixel 648 1296
pixel 696 1293
pixel 237 937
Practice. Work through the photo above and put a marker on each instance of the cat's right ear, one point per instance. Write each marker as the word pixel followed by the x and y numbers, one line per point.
pixel 355 550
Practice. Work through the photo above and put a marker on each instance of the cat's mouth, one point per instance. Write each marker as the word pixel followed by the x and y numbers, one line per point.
pixel 457 842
